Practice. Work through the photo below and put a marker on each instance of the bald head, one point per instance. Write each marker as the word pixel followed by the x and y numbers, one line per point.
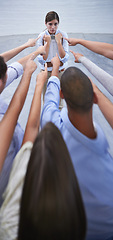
pixel 77 90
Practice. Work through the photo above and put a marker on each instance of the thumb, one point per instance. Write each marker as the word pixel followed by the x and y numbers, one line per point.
pixel 37 38
pixel 45 66
pixel 66 38
pixel 56 54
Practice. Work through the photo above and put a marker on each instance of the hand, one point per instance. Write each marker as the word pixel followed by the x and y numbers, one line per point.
pixel 47 38
pixel 30 65
pixel 76 55
pixel 32 42
pixel 42 50
pixel 72 41
pixel 58 37
pixel 42 77
pixel 55 61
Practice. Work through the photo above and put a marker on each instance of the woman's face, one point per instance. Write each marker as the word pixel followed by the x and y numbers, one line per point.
pixel 52 26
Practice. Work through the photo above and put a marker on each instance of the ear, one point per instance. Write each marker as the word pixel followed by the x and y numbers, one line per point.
pixel 61 94
pixel 95 99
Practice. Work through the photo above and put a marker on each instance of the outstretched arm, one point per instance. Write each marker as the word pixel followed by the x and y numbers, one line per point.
pixel 41 50
pixel 105 49
pixel 12 53
pixel 56 63
pixel 34 115
pixel 104 104
pixel 8 123
pixel 103 77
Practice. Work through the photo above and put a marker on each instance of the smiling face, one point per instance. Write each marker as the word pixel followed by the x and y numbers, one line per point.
pixel 52 26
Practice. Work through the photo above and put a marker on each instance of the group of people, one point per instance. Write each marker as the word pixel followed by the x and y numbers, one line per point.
pixel 56 178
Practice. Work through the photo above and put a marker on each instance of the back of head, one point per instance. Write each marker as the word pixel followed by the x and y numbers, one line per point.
pixel 51 16
pixel 77 90
pixel 51 205
pixel 3 68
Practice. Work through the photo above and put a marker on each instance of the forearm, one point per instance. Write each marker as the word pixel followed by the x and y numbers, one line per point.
pixel 105 106
pixel 8 123
pixel 12 53
pixel 23 60
pixel 46 51
pixel 34 117
pixel 102 48
pixel 55 71
pixel 103 77
pixel 61 50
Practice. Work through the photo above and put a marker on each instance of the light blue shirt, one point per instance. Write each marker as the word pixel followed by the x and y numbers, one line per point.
pixel 92 163
pixel 53 50
pixel 14 71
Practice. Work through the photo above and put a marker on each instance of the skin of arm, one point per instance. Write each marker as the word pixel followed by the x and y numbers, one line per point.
pixel 34 115
pixel 76 56
pixel 58 38
pixel 9 121
pixel 40 50
pixel 103 77
pixel 103 102
pixel 105 49
pixel 56 63
pixel 47 39
pixel 105 105
pixel 12 53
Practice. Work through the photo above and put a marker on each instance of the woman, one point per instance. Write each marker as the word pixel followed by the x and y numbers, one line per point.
pixel 51 204
pixel 55 43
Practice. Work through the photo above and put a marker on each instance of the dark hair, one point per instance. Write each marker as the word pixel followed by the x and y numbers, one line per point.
pixel 3 68
pixel 51 204
pixel 51 16
pixel 77 89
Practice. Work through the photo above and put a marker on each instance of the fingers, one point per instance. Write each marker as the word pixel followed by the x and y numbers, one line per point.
pixel 57 55
pixel 32 57
pixel 37 38
pixel 45 66
pixel 72 52
pixel 66 39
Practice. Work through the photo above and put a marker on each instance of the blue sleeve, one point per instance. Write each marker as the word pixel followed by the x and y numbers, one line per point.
pixel 50 111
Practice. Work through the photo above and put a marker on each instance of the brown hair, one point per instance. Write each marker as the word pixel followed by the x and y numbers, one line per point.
pixel 51 16
pixel 51 205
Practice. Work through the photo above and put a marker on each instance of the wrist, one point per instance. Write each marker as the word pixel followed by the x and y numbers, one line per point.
pixel 25 45
pixel 28 71
pixel 79 41
pixel 59 43
pixel 39 87
pixel 56 67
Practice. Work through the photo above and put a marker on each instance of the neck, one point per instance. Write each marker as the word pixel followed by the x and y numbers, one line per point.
pixel 83 122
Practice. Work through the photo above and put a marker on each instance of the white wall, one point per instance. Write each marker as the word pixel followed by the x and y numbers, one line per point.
pixel 76 16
